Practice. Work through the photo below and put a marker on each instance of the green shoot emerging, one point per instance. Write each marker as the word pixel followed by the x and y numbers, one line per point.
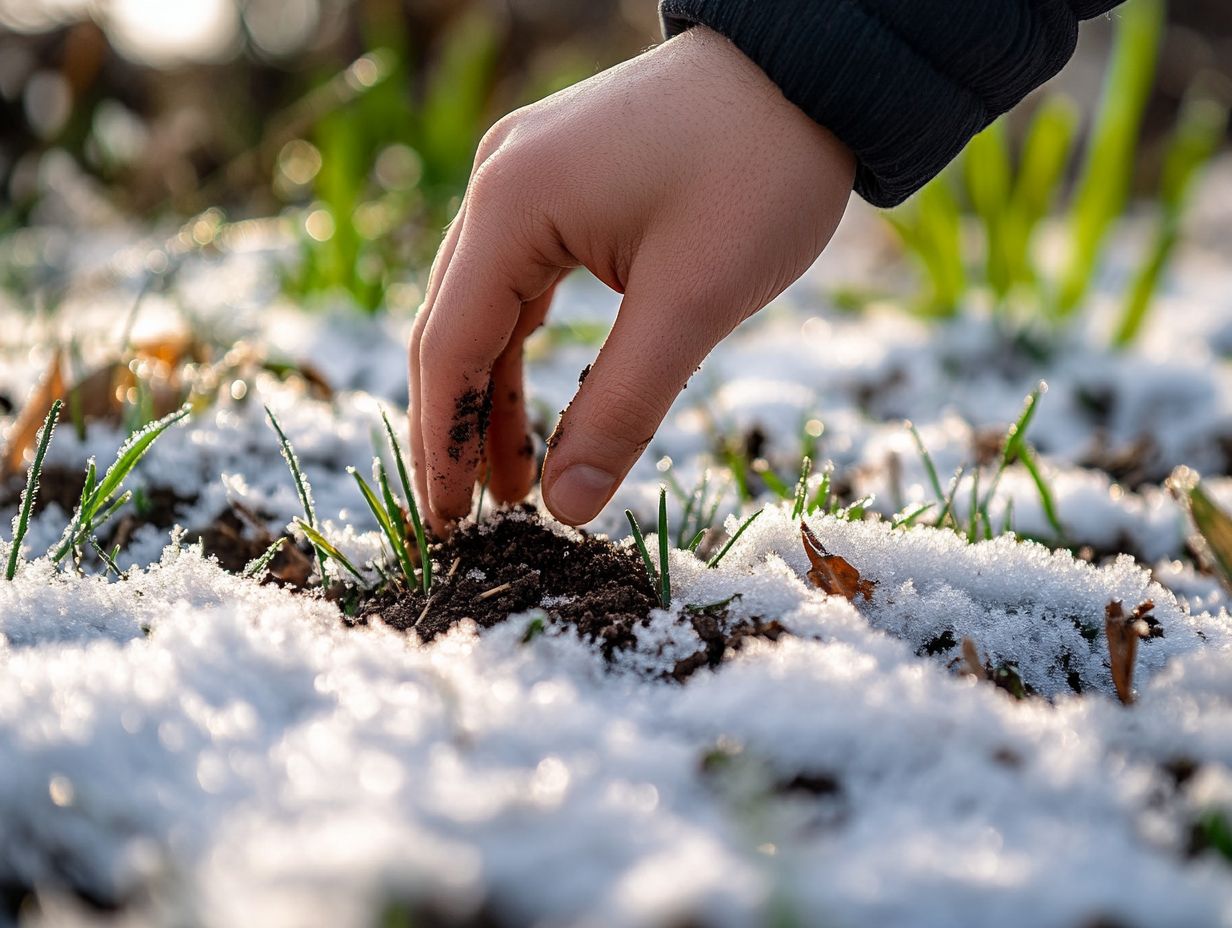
pixel 256 568
pixel 302 488
pixel 660 578
pixel 665 577
pixel 714 561
pixel 1214 526
pixel 388 515
pixel 327 548
pixel 639 541
pixel 421 539
pixel 21 522
pixel 98 499
pixel 1014 449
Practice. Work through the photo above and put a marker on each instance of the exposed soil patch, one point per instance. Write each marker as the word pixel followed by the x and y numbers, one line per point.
pixel 237 536
pixel 514 563
pixel 60 485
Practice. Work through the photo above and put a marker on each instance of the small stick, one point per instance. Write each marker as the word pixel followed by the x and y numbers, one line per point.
pixel 487 594
pixel 423 615
pixel 453 568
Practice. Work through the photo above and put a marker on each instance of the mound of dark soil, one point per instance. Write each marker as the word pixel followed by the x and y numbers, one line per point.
pixel 514 563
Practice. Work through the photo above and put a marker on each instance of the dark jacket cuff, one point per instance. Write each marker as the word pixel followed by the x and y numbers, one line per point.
pixel 903 83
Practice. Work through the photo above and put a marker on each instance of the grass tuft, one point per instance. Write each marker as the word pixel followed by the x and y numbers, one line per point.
pixel 421 538
pixel 660 577
pixel 256 568
pixel 98 500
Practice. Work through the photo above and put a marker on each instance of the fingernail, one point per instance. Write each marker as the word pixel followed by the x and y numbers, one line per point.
pixel 579 493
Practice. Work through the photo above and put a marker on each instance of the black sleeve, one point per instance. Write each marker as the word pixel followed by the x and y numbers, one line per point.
pixel 904 83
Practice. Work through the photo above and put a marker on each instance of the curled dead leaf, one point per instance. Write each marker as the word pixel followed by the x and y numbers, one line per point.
pixel 971 660
pixel 832 574
pixel 1123 632
pixel 25 428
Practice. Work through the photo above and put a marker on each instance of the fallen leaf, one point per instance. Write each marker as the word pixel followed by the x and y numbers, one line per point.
pixel 971 660
pixel 24 430
pixel 1123 632
pixel 832 574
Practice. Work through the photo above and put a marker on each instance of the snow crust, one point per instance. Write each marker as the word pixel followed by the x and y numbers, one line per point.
pixel 197 746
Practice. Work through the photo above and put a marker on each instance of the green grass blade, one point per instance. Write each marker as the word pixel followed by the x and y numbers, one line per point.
pixel 821 498
pixel 973 517
pixel 21 522
pixel 86 521
pixel 1014 444
pixel 947 507
pixel 714 561
pixel 639 541
pixel 108 558
pixel 694 508
pixel 1007 523
pixel 105 516
pixel 987 169
pixel 929 467
pixel 383 521
pixel 397 520
pixel 130 453
pixel 774 483
pixel 909 519
pixel 317 540
pixel 301 485
pixel 855 512
pixel 665 577
pixel 1046 153
pixel 1201 127
pixel 1212 523
pixel 1103 186
pixel 421 539
pixel 259 565
pixel 801 496
pixel 697 540
pixel 1045 493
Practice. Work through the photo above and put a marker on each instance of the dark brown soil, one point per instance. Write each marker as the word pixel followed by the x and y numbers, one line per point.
pixel 236 537
pixel 514 563
pixel 60 485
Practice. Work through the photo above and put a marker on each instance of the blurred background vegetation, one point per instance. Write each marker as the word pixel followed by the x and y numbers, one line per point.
pixel 355 121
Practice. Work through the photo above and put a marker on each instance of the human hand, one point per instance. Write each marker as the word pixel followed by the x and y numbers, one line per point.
pixel 683 180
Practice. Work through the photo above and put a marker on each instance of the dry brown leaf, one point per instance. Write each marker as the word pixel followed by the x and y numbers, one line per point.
pixel 1123 632
pixel 832 574
pixel 25 429
pixel 971 660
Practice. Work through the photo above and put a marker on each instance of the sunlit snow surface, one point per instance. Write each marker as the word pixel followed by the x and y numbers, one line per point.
pixel 203 750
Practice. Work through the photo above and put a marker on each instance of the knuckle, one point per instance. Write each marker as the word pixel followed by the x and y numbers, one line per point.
pixel 495 137
pixel 626 421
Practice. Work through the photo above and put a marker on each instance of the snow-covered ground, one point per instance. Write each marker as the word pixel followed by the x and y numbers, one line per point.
pixel 198 749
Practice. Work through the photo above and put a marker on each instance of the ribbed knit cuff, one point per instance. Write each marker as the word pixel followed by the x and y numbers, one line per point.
pixel 903 85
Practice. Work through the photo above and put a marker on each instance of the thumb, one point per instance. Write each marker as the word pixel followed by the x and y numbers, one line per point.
pixel 662 333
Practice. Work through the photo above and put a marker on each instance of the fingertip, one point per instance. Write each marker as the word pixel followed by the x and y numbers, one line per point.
pixel 579 493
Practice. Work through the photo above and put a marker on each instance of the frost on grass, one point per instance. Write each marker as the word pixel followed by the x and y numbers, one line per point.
pixel 185 738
